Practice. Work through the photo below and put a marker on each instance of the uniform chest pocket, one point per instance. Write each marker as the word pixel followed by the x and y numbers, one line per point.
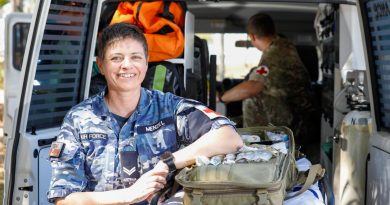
pixel 94 143
pixel 155 139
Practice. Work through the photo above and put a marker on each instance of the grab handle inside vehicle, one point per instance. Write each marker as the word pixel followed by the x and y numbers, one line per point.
pixel 45 142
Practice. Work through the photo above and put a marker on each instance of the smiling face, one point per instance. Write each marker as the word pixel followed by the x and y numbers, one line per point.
pixel 124 65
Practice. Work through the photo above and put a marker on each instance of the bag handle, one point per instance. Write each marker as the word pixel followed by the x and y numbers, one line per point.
pixel 262 197
pixel 316 172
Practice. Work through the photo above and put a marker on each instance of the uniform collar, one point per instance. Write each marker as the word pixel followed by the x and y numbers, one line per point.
pixel 100 108
pixel 274 40
pixel 145 101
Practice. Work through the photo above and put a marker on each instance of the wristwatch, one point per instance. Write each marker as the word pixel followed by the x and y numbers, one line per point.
pixel 168 159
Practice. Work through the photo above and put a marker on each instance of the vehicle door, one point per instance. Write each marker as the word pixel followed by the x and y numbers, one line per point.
pixel 54 77
pixel 376 27
pixel 17 26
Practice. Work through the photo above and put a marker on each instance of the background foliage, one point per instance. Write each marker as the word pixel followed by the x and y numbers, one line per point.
pixel 2 2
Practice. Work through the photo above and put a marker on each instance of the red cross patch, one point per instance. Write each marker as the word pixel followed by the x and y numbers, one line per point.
pixel 56 149
pixel 262 70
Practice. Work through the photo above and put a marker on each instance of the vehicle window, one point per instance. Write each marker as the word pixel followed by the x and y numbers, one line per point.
pixel 232 62
pixel 20 31
pixel 57 84
pixel 378 19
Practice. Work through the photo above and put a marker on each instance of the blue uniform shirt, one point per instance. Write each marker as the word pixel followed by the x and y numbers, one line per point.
pixel 93 141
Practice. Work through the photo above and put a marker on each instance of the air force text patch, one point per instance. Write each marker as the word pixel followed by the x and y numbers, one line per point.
pixel 56 149
pixel 93 136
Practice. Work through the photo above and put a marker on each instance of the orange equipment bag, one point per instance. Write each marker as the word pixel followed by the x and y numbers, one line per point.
pixel 162 23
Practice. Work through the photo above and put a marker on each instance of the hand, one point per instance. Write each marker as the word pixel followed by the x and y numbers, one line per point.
pixel 159 166
pixel 150 183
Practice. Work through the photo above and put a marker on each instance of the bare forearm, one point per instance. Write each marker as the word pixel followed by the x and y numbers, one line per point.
pixel 234 95
pixel 220 141
pixel 242 91
pixel 117 197
pixel 113 197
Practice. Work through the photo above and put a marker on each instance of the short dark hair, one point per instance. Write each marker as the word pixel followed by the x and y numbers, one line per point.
pixel 261 25
pixel 117 32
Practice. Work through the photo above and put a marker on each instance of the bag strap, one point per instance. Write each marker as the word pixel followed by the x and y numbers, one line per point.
pixel 168 191
pixel 159 77
pixel 166 13
pixel 197 195
pixel 316 172
pixel 262 197
pixel 138 11
pixel 183 91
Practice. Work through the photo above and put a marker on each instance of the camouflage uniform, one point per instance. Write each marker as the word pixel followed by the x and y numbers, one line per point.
pixel 287 93
pixel 93 140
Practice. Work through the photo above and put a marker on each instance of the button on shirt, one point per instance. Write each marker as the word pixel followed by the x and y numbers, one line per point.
pixel 90 159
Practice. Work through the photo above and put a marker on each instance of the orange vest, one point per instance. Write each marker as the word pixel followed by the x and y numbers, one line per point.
pixel 163 30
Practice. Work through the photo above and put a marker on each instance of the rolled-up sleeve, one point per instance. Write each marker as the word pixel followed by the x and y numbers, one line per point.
pixel 68 173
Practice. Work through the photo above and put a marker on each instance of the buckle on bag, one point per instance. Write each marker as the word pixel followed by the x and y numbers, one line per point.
pixel 262 196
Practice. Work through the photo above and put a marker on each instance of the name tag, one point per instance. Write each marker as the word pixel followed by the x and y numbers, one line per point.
pixel 155 126
pixel 93 136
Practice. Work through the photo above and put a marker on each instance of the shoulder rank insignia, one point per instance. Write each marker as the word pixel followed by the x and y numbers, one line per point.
pixel 262 70
pixel 56 149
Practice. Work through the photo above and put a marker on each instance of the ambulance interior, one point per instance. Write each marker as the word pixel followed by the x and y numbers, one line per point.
pixel 330 41
pixel 308 25
pixel 344 46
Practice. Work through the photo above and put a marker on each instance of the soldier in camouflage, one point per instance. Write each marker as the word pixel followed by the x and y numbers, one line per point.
pixel 278 91
pixel 109 146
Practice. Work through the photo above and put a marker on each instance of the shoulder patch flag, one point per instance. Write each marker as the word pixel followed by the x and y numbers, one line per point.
pixel 208 112
pixel 56 149
pixel 262 70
